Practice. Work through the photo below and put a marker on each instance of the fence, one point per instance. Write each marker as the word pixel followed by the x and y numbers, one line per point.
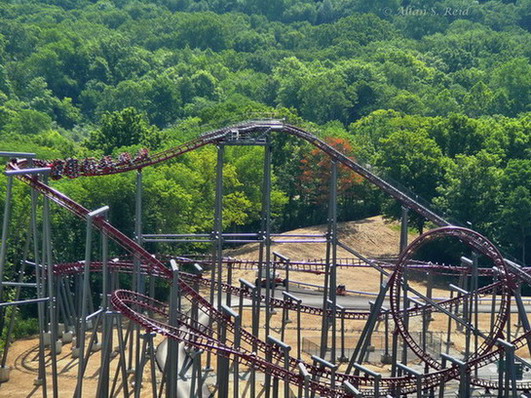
pixel 434 345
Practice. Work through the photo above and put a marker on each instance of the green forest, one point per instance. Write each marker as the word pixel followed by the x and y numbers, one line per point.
pixel 435 95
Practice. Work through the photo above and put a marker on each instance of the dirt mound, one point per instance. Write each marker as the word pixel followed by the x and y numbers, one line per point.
pixel 372 237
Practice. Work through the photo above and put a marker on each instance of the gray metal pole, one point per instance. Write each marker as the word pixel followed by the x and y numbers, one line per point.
pixel 343 357
pixel 85 298
pixel 333 265
pixel 3 248
pixel 288 265
pixel 48 262
pixel 306 383
pixel 217 243
pixel 254 310
pixel 404 229
pixel 218 223
pixel 107 320
pixel 21 302
pixel 237 325
pixel 406 318
pixel 523 316
pixel 285 349
pixel 267 382
pixel 509 368
pixel 394 361
pixel 414 373
pixel 196 374
pixel 139 370
pixel 464 387
pixel 122 365
pixel 153 373
pixel 39 278
pixel 468 304
pixel 292 298
pixel 138 279
pixel 172 358
pixel 198 271
pixel 19 284
pixel 105 271
pixel 325 364
pixel 267 229
pixel 352 391
pixel 223 362
pixel 5 231
pixel 501 379
pixel 103 380
pixel 328 265
pixel 364 340
pixel 228 298
pixel 377 377
pixel 441 386
pixel 137 276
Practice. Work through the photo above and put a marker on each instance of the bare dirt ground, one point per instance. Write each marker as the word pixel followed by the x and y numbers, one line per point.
pixel 372 237
pixel 23 361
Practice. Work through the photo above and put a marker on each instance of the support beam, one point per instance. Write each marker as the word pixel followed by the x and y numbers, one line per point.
pixel 85 298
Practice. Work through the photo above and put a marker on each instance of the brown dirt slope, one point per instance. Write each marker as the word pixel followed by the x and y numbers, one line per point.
pixel 372 237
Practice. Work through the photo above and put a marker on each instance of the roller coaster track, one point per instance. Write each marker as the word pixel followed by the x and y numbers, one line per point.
pixel 319 266
pixel 481 245
pixel 67 269
pixel 125 301
pixel 128 302
pixel 246 129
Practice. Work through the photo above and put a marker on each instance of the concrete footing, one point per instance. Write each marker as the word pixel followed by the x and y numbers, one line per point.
pixel 75 352
pixel 58 347
pixel 4 374
pixel 386 359
pixel 68 337
pixel 47 339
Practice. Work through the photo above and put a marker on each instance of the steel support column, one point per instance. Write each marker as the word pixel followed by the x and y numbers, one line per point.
pixel 172 356
pixel 48 263
pixel 84 300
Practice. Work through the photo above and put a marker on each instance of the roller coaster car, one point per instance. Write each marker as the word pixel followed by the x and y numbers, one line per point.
pixel 274 279
pixel 143 154
pixel 88 166
pixel 124 159
pixel 57 167
pixel 341 290
pixel 72 168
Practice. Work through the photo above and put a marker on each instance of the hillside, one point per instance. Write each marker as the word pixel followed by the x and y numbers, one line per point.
pixel 372 237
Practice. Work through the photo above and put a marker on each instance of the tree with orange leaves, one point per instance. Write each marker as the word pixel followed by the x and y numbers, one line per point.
pixel 313 182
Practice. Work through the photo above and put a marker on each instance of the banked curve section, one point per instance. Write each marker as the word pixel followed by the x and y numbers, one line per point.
pixel 242 131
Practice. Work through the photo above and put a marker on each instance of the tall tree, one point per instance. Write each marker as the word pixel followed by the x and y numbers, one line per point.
pixel 123 128
pixel 472 191
pixel 414 160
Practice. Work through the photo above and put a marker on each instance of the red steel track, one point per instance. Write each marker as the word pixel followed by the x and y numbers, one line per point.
pixel 481 245
pixel 66 269
pixel 198 336
pixel 318 266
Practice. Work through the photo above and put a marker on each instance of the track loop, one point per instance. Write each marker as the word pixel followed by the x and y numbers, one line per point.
pixel 481 245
